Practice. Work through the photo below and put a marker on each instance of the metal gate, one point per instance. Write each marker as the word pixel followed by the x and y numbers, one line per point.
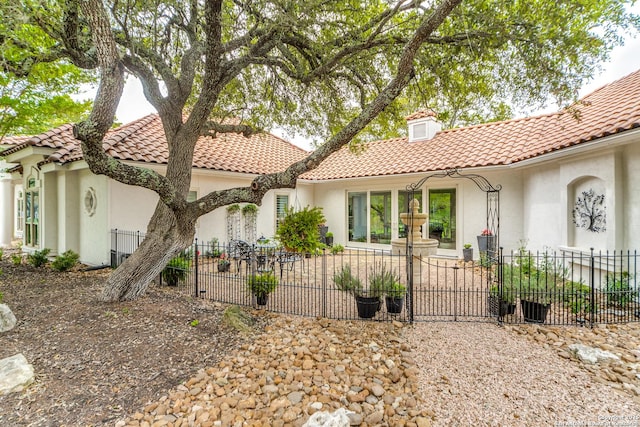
pixel 445 289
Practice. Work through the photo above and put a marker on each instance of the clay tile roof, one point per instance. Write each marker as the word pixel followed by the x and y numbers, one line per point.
pixel 612 109
pixel 143 140
pixel 421 114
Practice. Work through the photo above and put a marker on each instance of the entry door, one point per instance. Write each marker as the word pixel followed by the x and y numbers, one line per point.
pixel 442 216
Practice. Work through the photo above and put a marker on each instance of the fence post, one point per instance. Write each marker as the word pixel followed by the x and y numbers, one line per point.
pixel 324 282
pixel 115 255
pixel 410 295
pixel 500 279
pixel 592 275
pixel 195 254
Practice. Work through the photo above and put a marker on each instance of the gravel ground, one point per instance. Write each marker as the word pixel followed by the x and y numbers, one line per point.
pixel 484 375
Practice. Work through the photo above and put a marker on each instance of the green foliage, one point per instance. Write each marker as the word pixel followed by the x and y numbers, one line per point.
pixel 620 291
pixel 65 261
pixel 298 230
pixel 262 284
pixel 235 317
pixel 1 297
pixel 231 209
pixel 336 249
pixel 396 290
pixel 382 280
pixel 467 246
pixel 194 323
pixel 176 270
pixel 1 253
pixel 16 259
pixel 249 209
pixel 345 281
pixel 38 258
pixel 329 234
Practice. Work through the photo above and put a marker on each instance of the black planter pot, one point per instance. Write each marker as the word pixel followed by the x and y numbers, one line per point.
pixel 500 307
pixel 534 312
pixel 223 268
pixel 467 253
pixel 262 299
pixel 367 306
pixel 328 240
pixel 394 304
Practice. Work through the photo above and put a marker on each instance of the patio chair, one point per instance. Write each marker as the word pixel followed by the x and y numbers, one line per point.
pixel 239 251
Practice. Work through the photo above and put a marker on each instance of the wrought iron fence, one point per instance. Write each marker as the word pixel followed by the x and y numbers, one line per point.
pixel 552 288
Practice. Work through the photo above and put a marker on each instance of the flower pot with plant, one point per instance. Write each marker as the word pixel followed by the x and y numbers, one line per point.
pixel 261 285
pixel 224 264
pixel 467 252
pixel 394 297
pixel 486 241
pixel 328 238
pixel 501 300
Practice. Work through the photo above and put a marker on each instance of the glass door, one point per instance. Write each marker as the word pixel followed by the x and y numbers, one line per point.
pixel 442 217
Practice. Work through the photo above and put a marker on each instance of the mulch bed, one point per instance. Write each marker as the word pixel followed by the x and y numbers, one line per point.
pixel 96 362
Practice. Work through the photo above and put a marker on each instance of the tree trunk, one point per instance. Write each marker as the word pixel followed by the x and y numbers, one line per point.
pixel 164 240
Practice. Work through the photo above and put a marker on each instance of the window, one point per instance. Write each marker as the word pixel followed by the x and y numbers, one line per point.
pixel 282 203
pixel 19 212
pixel 32 213
pixel 442 217
pixel 380 217
pixel 358 217
pixel 419 131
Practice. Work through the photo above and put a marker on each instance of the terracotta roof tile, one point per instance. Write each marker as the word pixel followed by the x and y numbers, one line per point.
pixel 421 114
pixel 143 140
pixel 611 109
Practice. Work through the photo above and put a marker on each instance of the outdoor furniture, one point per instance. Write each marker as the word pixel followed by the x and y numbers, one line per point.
pixel 283 258
pixel 239 251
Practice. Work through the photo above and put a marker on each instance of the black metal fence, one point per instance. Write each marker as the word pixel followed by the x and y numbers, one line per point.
pixel 551 288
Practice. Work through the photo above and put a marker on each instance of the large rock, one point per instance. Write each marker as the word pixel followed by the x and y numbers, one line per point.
pixel 7 318
pixel 339 418
pixel 591 354
pixel 15 374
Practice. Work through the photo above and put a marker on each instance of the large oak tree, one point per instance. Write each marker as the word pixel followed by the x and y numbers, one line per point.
pixel 331 67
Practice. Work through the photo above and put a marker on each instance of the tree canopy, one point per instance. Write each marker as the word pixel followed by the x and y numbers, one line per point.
pixel 35 93
pixel 331 68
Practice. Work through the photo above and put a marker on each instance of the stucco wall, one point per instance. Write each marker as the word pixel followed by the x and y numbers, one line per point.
pixel 94 232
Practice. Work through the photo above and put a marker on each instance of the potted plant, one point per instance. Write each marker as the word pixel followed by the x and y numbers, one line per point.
pixel 467 252
pixel 367 303
pixel 328 238
pixel 486 241
pixel 223 264
pixel 299 230
pixel 501 300
pixel 176 270
pixel 261 285
pixel 394 297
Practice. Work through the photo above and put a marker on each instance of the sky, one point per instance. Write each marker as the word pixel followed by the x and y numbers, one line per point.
pixel 623 61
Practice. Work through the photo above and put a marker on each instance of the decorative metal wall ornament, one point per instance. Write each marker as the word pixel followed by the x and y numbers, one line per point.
pixel 589 212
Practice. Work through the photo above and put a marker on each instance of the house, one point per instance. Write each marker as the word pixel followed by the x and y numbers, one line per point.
pixel 566 181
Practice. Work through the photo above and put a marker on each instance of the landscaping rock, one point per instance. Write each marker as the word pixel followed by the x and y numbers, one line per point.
pixel 15 374
pixel 339 418
pixel 592 354
pixel 7 318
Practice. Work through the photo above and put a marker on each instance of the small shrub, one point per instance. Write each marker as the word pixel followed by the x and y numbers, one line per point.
pixel 1 253
pixel 620 292
pixel 65 261
pixel 1 297
pixel 335 249
pixel 381 280
pixel 176 270
pixel 16 259
pixel 345 281
pixel 194 323
pixel 236 318
pixel 38 258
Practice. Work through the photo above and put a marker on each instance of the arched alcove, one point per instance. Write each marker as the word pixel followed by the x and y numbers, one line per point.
pixel 586 212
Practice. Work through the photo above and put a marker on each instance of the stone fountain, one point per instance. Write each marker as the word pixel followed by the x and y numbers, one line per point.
pixel 421 247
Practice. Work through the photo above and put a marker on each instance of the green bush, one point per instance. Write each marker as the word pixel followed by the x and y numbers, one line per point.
pixel 262 284
pixel 345 281
pixel 1 253
pixel 38 258
pixel 619 289
pixel 1 297
pixel 16 259
pixel 65 261
pixel 176 270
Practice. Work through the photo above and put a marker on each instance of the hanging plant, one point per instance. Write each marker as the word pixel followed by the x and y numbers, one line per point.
pixel 250 209
pixel 231 209
pixel 298 231
pixel 589 212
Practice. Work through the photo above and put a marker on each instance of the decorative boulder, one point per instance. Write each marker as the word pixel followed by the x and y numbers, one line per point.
pixel 339 418
pixel 591 354
pixel 15 374
pixel 7 318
